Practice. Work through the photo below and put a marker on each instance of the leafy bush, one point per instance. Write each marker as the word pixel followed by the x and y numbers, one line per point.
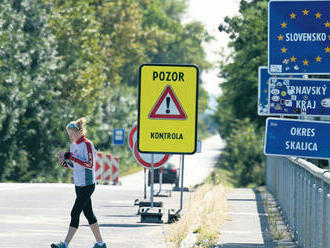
pixel 243 154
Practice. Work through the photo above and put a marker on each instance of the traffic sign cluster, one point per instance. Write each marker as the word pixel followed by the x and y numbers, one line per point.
pixel 167 120
pixel 298 46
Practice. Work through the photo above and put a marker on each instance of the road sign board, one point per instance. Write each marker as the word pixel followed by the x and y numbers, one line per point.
pixel 167 116
pixel 297 96
pixel 144 159
pixel 299 37
pixel 263 82
pixel 288 137
pixel 132 137
pixel 118 136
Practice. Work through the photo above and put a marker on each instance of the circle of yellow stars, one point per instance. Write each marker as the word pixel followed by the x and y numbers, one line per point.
pixel 284 25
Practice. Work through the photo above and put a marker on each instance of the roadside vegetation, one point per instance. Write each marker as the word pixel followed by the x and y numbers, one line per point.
pixel 236 115
pixel 61 60
pixel 204 213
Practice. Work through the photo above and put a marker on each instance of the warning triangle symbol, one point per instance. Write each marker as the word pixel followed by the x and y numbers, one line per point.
pixel 168 106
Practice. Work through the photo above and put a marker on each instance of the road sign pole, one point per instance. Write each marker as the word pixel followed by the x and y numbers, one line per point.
pixel 181 189
pixel 152 182
pixel 145 183
pixel 160 180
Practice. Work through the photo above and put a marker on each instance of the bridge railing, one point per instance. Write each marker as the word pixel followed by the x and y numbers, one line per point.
pixel 303 192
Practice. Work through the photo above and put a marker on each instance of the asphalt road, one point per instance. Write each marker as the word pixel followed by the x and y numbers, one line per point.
pixel 35 215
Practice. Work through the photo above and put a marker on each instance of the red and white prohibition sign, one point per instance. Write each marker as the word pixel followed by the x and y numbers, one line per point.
pixel 144 159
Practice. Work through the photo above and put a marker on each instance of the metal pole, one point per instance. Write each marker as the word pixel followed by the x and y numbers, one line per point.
pixel 145 183
pixel 181 189
pixel 160 181
pixel 152 182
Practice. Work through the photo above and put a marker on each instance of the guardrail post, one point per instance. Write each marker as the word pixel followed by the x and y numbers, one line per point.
pixel 314 209
pixel 309 212
pixel 320 226
pixel 327 229
pixel 304 209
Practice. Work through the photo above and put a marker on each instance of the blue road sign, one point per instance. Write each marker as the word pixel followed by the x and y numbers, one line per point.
pixel 288 96
pixel 263 97
pixel 263 80
pixel 118 136
pixel 298 138
pixel 299 37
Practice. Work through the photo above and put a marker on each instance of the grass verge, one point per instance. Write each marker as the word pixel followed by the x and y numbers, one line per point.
pixel 202 217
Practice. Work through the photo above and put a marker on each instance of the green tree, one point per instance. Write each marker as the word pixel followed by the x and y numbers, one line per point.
pixel 237 106
pixel 29 116
pixel 248 33
pixel 60 60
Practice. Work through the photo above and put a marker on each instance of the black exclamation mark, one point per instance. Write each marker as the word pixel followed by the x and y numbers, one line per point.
pixel 168 100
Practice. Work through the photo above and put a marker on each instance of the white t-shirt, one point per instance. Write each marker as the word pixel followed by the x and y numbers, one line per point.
pixel 82 154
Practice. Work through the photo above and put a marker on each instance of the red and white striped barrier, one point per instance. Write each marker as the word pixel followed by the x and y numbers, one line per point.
pixel 107 169
pixel 115 170
pixel 98 167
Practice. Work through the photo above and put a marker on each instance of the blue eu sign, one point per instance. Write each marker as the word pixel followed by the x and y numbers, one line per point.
pixel 299 96
pixel 299 37
pixel 298 138
pixel 263 96
pixel 118 136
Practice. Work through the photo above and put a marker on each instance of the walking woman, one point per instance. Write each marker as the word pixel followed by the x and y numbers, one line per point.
pixel 82 156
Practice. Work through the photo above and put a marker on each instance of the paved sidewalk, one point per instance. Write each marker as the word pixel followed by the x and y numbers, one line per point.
pixel 246 225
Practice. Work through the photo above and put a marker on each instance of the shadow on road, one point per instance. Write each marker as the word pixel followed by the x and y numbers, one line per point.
pixel 117 206
pixel 120 215
pixel 240 200
pixel 124 225
pixel 233 245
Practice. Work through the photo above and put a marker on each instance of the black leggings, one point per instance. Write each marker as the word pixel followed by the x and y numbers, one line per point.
pixel 83 203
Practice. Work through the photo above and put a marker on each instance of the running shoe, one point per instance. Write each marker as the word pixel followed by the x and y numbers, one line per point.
pixel 100 246
pixel 59 245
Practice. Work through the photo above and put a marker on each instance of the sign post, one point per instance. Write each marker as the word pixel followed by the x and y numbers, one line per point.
pixel 145 184
pixel 181 189
pixel 298 37
pixel 152 181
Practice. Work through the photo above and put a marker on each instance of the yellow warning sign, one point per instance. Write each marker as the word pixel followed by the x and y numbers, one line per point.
pixel 167 111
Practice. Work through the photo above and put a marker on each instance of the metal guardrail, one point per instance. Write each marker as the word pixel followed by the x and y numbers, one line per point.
pixel 303 193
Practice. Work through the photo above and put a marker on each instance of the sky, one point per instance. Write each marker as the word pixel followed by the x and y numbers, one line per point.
pixel 211 13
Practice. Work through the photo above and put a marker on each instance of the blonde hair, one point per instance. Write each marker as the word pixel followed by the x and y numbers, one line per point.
pixel 78 125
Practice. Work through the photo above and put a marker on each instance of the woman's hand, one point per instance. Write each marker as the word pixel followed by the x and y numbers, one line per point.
pixel 60 156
